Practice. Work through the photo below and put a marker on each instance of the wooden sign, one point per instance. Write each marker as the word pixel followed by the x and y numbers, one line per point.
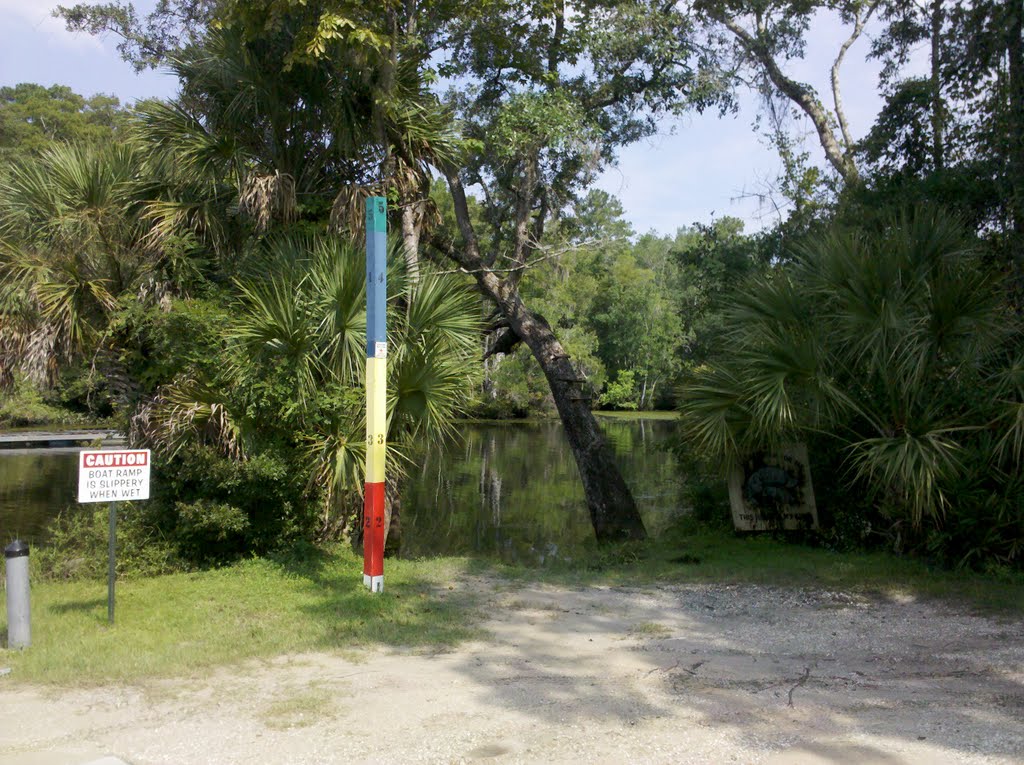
pixel 773 491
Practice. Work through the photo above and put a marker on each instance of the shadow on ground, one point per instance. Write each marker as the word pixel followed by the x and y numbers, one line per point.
pixel 776 668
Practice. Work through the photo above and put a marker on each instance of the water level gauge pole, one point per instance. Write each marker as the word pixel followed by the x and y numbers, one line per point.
pixel 376 392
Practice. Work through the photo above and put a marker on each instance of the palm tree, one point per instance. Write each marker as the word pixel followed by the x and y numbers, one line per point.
pixel 258 134
pixel 301 332
pixel 897 342
pixel 73 242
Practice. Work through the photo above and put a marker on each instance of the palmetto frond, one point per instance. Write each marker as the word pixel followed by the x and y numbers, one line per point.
pixel 1009 424
pixel 309 319
pixel 878 337
pixel 914 468
pixel 714 419
pixel 268 197
pixel 277 323
pixel 187 411
pixel 72 244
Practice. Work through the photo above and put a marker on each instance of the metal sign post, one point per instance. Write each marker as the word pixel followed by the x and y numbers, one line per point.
pixel 376 392
pixel 113 476
pixel 111 562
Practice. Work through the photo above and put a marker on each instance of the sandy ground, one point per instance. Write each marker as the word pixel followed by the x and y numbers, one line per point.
pixel 676 674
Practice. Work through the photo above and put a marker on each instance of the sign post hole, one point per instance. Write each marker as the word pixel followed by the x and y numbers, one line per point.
pixel 376 392
pixel 113 476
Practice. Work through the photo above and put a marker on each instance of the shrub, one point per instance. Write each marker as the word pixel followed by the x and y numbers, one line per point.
pixel 898 345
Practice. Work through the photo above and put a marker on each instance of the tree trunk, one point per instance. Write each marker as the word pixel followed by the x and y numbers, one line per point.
pixel 411 239
pixel 800 94
pixel 938 160
pixel 392 518
pixel 613 511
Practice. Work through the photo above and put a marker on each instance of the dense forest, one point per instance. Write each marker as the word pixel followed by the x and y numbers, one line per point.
pixel 192 270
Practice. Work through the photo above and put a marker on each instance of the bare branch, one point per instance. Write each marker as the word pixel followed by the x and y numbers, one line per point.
pixel 858 28
pixel 799 93
pixel 519 268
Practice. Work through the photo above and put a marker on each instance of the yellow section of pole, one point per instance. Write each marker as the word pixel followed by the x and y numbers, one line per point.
pixel 376 419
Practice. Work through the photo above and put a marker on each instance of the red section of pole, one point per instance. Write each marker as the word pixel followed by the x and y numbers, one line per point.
pixel 373 534
pixel 367 532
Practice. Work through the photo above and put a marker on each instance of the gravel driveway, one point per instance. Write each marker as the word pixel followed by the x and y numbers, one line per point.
pixel 672 674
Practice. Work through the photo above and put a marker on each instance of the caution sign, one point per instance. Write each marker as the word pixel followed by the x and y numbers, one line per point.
pixel 109 476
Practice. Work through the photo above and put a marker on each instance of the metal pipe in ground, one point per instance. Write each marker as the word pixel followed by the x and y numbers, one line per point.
pixel 19 615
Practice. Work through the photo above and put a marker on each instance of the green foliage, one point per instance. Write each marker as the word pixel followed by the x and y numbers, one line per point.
pixel 956 136
pixel 76 243
pixel 214 510
pixel 22 405
pixel 649 308
pixel 897 342
pixel 78 545
pixel 513 387
pixel 207 528
pixel 273 387
pixel 145 42
pixel 33 118
pixel 621 393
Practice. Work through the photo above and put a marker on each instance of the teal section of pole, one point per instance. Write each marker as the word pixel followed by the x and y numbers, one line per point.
pixel 376 273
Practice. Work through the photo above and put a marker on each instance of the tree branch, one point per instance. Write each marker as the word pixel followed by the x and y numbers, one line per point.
pixel 470 259
pixel 800 94
pixel 524 207
pixel 858 28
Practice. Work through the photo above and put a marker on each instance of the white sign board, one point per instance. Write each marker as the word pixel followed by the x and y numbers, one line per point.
pixel 113 476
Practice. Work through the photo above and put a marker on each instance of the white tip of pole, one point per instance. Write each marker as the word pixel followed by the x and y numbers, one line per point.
pixel 366 580
pixel 376 583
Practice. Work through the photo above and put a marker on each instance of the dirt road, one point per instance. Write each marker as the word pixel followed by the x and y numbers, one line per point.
pixel 678 674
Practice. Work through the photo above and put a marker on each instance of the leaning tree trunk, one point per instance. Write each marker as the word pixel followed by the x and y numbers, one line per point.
pixel 613 512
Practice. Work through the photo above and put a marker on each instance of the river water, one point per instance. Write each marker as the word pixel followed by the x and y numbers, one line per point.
pixel 507 490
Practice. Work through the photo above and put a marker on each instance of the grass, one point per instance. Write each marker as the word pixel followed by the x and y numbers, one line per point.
pixel 299 708
pixel 182 623
pixel 693 554
pixel 649 631
pixel 638 415
pixel 185 623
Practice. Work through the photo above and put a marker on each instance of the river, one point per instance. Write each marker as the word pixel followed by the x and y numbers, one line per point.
pixel 506 490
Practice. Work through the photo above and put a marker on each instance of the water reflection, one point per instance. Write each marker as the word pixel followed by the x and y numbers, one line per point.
pixel 35 486
pixel 508 490
pixel 512 491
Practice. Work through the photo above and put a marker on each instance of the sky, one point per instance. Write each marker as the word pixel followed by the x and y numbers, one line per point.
pixel 697 168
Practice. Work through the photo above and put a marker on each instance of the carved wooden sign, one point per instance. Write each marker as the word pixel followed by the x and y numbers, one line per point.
pixel 773 491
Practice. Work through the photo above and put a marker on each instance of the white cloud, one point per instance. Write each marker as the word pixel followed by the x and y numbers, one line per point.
pixel 37 15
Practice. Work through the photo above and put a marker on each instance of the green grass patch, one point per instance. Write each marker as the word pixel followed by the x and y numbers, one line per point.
pixel 645 415
pixel 299 708
pixel 175 624
pixel 649 631
pixel 691 553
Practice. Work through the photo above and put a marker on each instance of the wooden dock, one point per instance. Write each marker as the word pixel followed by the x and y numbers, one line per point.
pixel 45 439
